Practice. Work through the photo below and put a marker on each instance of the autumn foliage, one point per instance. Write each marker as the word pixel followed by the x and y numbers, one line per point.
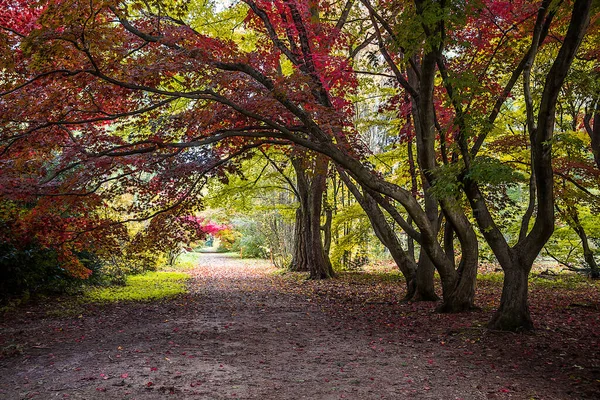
pixel 116 112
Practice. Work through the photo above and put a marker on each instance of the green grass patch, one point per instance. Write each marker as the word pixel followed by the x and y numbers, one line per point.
pixel 186 261
pixel 561 280
pixel 493 277
pixel 570 281
pixel 146 287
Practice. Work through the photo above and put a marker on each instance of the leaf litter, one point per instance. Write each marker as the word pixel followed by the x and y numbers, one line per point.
pixel 245 332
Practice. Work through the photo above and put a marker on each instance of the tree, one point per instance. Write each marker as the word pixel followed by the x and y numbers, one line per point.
pixel 128 90
pixel 518 259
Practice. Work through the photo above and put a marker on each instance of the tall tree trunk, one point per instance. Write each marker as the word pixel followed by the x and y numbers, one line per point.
pixel 513 313
pixel 321 267
pixel 311 185
pixel 425 286
pixel 459 287
pixel 300 257
pixel 410 242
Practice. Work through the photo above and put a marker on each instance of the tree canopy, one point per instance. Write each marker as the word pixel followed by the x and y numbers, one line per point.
pixel 114 111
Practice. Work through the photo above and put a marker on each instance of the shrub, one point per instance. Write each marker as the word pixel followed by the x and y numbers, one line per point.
pixel 35 269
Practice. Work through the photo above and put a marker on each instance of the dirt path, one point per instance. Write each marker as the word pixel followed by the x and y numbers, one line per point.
pixel 245 333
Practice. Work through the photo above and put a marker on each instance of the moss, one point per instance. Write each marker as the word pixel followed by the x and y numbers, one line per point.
pixel 149 286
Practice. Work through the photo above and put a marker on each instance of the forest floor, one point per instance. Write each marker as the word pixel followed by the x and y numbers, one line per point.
pixel 244 331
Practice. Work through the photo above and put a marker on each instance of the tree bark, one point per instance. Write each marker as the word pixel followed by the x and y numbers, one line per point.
pixel 410 242
pixel 449 241
pixel 326 228
pixel 300 257
pixel 513 314
pixel 530 209
pixel 425 285
pixel 462 298
pixel 310 255
pixel 458 287
pixel 321 267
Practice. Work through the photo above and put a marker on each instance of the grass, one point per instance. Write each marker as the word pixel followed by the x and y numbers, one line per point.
pixel 387 272
pixel 562 280
pixel 570 281
pixel 186 261
pixel 493 277
pixel 146 287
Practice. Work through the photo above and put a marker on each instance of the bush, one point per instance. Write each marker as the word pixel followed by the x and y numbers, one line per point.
pixel 252 241
pixel 115 268
pixel 37 270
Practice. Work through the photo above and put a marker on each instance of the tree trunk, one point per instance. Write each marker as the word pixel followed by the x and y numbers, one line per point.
pixel 425 287
pixel 320 265
pixel 458 286
pixel 386 235
pixel 309 253
pixel 449 241
pixel 388 238
pixel 513 314
pixel 595 135
pixel 594 130
pixel 425 290
pixel 588 254
pixel 410 242
pixel 463 296
pixel 530 208
pixel 326 228
pixel 300 257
